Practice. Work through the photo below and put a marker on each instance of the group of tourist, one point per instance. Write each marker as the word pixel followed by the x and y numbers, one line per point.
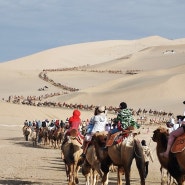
pixel 125 121
pixel 51 125
pixel 178 129
pixel 99 122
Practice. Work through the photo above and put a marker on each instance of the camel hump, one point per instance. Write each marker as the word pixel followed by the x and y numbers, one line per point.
pixel 179 144
pixel 102 133
pixel 73 133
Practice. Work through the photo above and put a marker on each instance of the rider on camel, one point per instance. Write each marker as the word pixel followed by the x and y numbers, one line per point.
pixel 97 124
pixel 123 121
pixel 74 123
pixel 174 134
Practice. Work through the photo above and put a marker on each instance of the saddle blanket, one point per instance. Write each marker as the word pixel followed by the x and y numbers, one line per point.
pixel 116 137
pixel 179 144
pixel 111 139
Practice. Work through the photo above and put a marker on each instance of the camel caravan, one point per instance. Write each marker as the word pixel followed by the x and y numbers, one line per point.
pixel 97 145
pixel 144 116
pixel 44 132
pixel 104 148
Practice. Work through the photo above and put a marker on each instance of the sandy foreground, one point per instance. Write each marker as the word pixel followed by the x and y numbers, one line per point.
pixel 157 85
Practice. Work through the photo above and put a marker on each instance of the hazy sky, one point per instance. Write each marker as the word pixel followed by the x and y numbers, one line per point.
pixel 31 26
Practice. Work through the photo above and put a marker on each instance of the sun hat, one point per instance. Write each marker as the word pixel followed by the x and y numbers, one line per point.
pixel 101 108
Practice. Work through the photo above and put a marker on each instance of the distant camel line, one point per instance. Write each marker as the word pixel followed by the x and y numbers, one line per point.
pixel 157 116
pixel 43 75
pixel 38 101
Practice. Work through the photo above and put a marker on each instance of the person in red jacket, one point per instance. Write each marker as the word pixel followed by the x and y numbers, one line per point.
pixel 57 124
pixel 74 123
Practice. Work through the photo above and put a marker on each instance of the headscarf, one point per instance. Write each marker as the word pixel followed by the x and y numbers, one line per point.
pixel 74 121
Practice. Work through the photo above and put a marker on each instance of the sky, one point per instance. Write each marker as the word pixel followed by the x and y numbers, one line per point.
pixel 31 26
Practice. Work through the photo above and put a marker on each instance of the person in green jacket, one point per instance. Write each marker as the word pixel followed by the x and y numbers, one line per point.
pixel 125 119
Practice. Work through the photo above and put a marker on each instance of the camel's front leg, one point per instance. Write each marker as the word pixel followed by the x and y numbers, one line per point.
pixel 120 173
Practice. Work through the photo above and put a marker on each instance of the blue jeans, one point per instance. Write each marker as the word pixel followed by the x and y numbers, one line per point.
pixel 113 131
pixel 89 128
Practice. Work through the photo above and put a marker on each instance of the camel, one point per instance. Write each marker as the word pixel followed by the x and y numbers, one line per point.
pixel 43 135
pixel 71 152
pixel 26 132
pixel 50 137
pixel 33 137
pixel 174 164
pixel 97 161
pixel 88 170
pixel 122 155
pixel 58 135
pixel 55 137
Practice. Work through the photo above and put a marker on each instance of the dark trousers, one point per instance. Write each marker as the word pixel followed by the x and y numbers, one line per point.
pixel 146 168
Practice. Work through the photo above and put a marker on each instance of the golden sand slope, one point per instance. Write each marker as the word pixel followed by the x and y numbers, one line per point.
pixel 158 85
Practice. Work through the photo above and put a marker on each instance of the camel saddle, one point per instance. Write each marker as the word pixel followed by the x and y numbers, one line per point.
pixel 179 144
pixel 116 138
pixel 73 134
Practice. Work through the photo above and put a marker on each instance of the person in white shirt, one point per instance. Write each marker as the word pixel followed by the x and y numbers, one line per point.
pixel 100 120
pixel 173 124
pixel 98 124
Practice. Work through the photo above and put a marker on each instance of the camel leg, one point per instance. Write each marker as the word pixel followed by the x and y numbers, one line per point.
pixel 97 168
pixel 54 143
pixel 87 178
pixel 87 172
pixel 57 146
pixel 163 176
pixel 67 171
pixel 70 172
pixel 95 176
pixel 91 176
pixel 119 174
pixel 140 163
pixel 105 179
pixel 26 136
pixel 127 176
pixel 76 168
pixel 141 169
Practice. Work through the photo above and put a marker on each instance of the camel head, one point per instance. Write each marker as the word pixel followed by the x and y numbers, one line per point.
pixel 100 138
pixel 160 134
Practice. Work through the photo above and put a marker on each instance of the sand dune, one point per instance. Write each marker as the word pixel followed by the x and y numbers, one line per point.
pixel 158 84
pixel 159 63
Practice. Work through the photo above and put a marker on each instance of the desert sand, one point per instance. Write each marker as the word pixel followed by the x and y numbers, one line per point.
pixel 147 73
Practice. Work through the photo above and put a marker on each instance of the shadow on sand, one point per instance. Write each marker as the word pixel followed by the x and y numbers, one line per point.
pixel 17 182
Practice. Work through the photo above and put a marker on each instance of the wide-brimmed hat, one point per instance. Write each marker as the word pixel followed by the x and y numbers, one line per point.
pixel 101 108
